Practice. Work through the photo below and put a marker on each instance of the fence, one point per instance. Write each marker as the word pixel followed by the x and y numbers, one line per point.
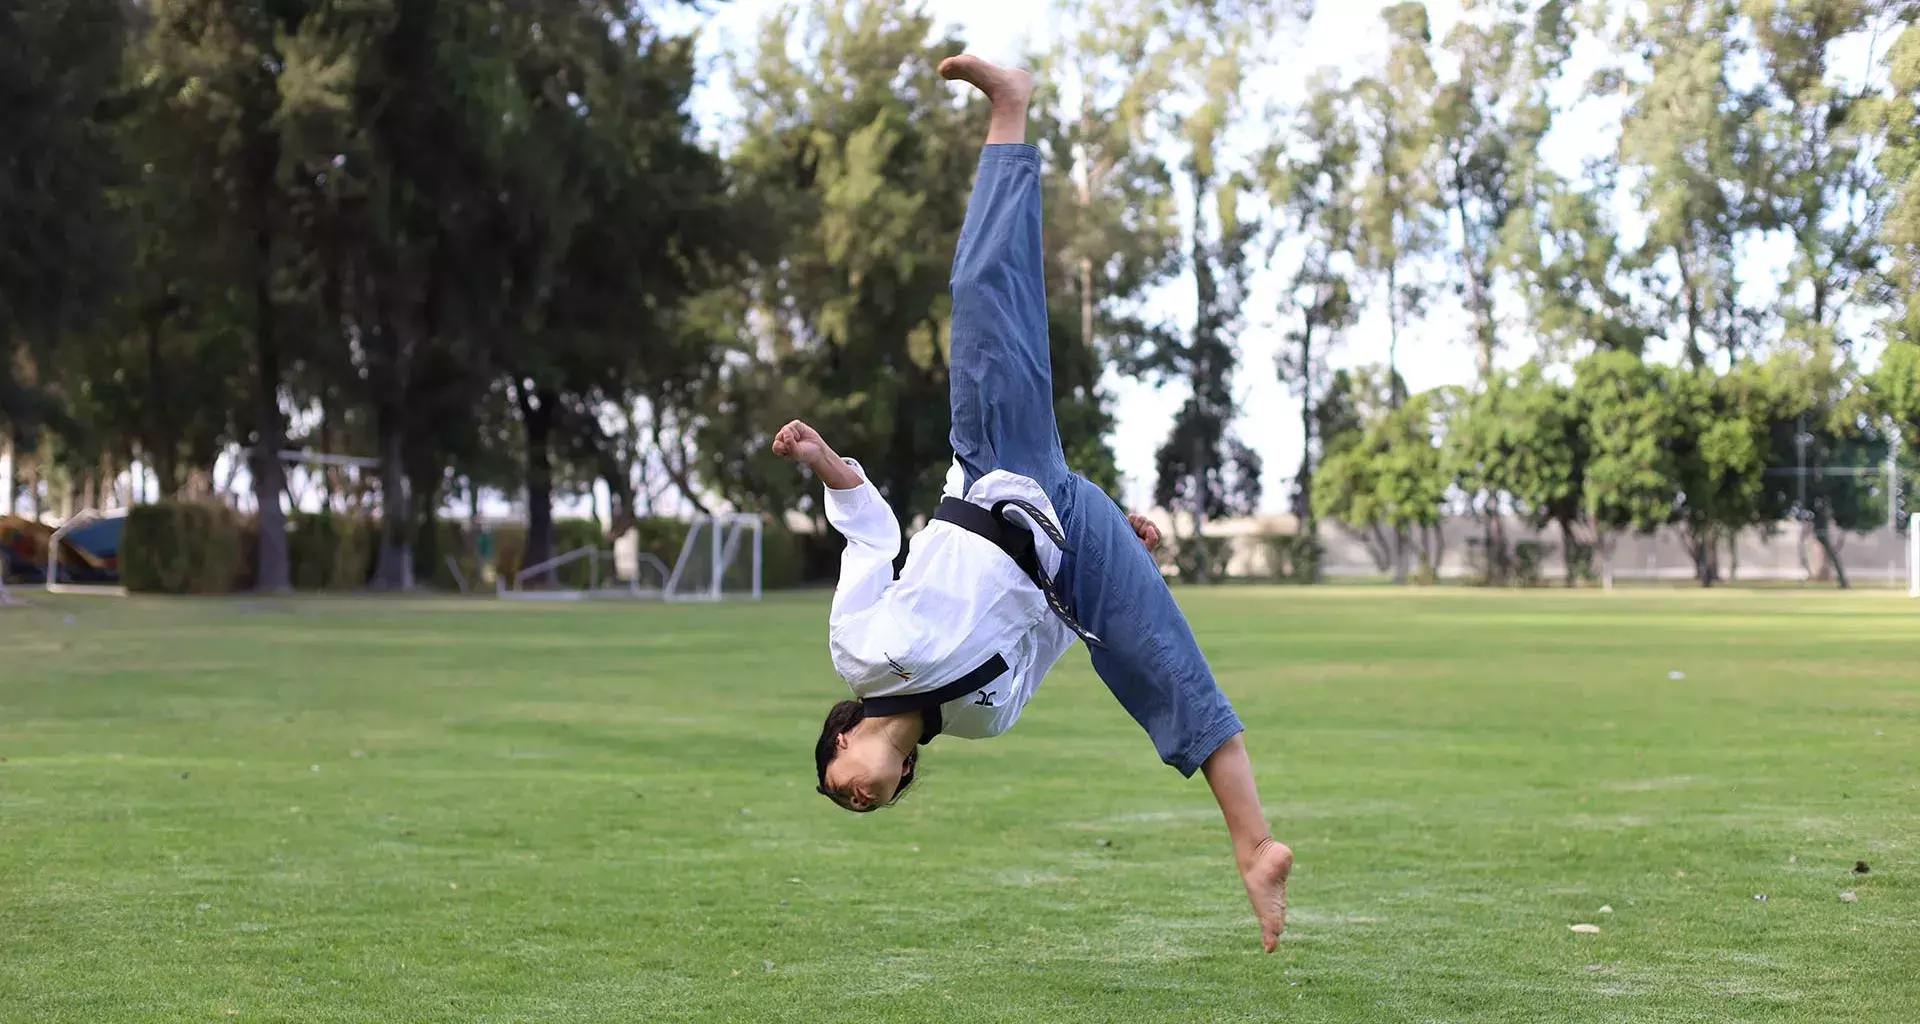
pixel 1788 552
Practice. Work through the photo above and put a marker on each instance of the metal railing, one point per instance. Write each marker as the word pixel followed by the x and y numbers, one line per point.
pixel 592 556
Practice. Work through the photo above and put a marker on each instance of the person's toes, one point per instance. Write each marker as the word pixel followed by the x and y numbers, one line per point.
pixel 963 67
pixel 1001 85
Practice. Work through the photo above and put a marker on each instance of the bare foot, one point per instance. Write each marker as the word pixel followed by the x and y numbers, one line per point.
pixel 1006 88
pixel 1266 878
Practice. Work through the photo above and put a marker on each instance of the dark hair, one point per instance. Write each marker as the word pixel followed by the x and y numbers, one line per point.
pixel 841 719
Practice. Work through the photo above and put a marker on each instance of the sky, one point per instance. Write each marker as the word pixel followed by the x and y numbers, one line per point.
pixel 1343 34
pixel 1346 35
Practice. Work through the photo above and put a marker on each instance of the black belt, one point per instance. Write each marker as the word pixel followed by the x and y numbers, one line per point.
pixel 1017 541
pixel 928 702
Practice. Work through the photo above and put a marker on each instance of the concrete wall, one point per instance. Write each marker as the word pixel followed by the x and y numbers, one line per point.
pixel 1787 552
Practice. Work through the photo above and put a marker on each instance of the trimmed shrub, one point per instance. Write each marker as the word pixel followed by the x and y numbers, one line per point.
pixel 1292 557
pixel 1529 562
pixel 509 544
pixel 510 550
pixel 662 537
pixel 783 558
pixel 1186 555
pixel 451 540
pixel 330 552
pixel 571 535
pixel 182 547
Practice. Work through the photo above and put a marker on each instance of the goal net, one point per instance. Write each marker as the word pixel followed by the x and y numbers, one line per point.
pixel 720 559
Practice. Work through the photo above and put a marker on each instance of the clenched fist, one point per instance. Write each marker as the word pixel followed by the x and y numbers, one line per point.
pixel 1144 529
pixel 800 443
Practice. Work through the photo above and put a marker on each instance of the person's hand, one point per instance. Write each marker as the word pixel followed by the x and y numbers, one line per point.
pixel 800 443
pixel 1144 529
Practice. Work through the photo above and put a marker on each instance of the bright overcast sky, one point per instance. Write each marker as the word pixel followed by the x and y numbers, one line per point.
pixel 1344 34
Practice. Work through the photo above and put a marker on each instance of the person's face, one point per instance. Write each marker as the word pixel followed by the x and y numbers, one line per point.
pixel 866 773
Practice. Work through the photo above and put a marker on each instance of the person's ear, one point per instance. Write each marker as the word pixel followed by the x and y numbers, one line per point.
pixel 840 741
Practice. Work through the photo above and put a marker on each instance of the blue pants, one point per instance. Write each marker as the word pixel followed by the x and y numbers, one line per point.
pixel 1002 378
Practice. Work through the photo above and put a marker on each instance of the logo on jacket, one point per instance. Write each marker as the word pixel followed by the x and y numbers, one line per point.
pixel 986 699
pixel 899 670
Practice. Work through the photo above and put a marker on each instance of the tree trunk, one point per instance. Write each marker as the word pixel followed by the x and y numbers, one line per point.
pixel 1085 187
pixel 9 483
pixel 1394 398
pixel 1303 481
pixel 269 474
pixel 394 570
pixel 1400 546
pixel 536 418
pixel 160 443
pixel 426 486
pixel 1566 553
pixel 1831 550
pixel 1479 302
pixel 1199 511
pixel 473 518
pixel 1696 358
pixel 1604 545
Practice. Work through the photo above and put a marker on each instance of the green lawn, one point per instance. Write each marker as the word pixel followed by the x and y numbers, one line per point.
pixel 441 811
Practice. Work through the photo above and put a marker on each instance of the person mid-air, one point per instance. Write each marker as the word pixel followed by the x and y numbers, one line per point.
pixel 1022 557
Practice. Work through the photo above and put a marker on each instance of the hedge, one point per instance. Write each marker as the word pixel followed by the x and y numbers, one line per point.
pixel 183 547
pixel 510 547
pixel 187 547
pixel 331 552
pixel 1185 555
pixel 1292 557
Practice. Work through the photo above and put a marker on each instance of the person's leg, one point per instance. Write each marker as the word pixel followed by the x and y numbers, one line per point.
pixel 1264 862
pixel 1153 666
pixel 999 366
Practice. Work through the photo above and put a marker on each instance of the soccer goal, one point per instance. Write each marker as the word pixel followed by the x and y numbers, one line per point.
pixel 1913 556
pixel 720 559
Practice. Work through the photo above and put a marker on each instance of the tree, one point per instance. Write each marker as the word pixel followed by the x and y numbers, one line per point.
pixel 1392 482
pixel 1488 124
pixel 1817 180
pixel 1518 444
pixel 611 215
pixel 1719 449
pixel 1895 117
pixel 1203 465
pixel 1113 222
pixel 239 80
pixel 1308 178
pixel 1632 475
pixel 60 251
pixel 1570 266
pixel 1397 193
pixel 1893 389
pixel 857 164
pixel 1821 434
pixel 1684 131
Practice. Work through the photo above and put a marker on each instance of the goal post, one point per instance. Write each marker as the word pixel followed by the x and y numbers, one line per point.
pixel 1913 556
pixel 721 558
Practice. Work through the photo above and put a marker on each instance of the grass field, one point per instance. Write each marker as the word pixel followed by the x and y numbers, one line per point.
pixel 417 811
